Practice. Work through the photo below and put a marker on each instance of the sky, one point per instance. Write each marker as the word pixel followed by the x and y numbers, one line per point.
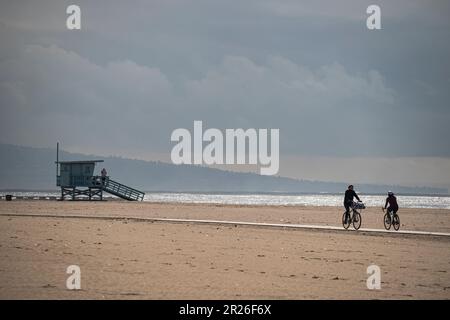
pixel 352 104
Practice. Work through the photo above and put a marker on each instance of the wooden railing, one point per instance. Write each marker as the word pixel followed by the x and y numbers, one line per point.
pixel 122 190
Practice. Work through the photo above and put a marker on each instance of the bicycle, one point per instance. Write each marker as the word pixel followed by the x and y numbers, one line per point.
pixel 391 219
pixel 354 217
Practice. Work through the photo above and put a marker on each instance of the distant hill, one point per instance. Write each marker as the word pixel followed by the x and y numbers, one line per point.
pixel 29 168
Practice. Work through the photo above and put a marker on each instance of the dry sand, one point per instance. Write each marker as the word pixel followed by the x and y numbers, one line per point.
pixel 123 259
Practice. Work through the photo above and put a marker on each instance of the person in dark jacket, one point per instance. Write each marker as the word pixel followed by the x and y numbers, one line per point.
pixel 104 175
pixel 348 200
pixel 391 200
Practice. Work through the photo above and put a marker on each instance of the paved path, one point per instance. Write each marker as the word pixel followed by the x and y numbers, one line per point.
pixel 244 223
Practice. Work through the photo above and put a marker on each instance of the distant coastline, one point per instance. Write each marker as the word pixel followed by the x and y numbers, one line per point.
pixel 27 168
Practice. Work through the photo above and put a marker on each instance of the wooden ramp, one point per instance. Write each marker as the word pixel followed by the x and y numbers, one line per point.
pixel 122 191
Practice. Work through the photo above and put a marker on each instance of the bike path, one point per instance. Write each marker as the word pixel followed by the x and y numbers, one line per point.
pixel 244 223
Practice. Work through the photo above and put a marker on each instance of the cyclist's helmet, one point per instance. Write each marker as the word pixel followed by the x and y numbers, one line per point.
pixel 390 193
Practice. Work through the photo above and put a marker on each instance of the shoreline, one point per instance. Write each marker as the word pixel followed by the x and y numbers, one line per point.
pixel 275 193
pixel 271 200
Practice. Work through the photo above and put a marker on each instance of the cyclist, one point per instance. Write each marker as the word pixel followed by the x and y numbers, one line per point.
pixel 348 200
pixel 392 201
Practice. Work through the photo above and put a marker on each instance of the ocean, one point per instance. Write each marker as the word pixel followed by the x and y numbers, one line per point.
pixel 405 201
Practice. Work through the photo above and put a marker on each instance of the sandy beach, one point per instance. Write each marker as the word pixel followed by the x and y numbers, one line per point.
pixel 128 259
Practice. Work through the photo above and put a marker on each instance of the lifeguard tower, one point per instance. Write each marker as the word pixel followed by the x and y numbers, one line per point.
pixel 78 182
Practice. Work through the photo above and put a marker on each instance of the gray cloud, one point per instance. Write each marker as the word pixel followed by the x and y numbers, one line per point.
pixel 125 100
pixel 136 72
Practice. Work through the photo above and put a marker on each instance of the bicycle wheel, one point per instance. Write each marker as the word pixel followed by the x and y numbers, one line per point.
pixel 387 221
pixel 396 222
pixel 346 224
pixel 356 220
